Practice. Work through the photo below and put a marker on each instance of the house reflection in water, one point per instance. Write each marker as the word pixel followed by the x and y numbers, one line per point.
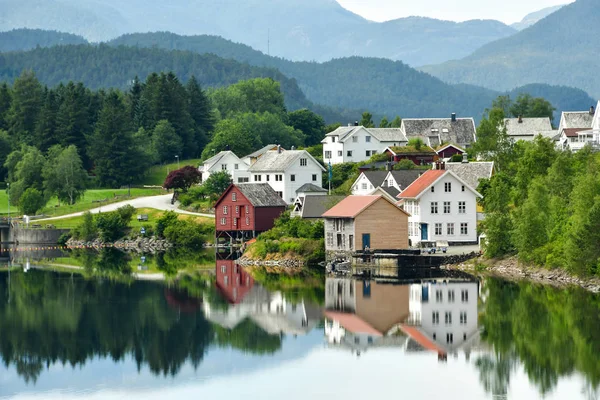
pixel 271 311
pixel 439 316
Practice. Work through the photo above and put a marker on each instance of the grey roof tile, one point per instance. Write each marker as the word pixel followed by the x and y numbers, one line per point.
pixel 527 126
pixel 472 172
pixel 376 177
pixel 576 119
pixel 461 132
pixel 315 206
pixel 261 151
pixel 405 177
pixel 261 195
pixel 273 161
pixel 310 188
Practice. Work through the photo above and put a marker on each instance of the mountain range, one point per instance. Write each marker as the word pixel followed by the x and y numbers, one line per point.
pixel 344 87
pixel 298 30
pixel 534 17
pixel 559 49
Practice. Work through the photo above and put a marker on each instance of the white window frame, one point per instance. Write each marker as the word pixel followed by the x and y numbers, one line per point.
pixel 303 162
pixel 462 207
pixel 448 187
pixel 328 154
pixel 438 229
pixel 464 228
pixel 447 207
pixel 434 207
pixel 450 229
pixel 367 139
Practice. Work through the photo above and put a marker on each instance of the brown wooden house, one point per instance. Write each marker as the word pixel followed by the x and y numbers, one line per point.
pixel 245 210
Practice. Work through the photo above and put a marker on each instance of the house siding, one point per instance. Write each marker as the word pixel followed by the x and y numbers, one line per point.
pixel 387 225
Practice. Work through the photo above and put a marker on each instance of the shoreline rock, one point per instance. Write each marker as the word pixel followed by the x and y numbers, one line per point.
pixel 290 264
pixel 138 245
pixel 510 268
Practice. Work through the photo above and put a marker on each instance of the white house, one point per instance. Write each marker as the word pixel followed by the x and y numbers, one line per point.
pixel 286 171
pixel 435 131
pixel 445 312
pixel 528 128
pixel 574 127
pixel 225 161
pixel 357 143
pixel 442 207
pixel 471 171
pixel 392 182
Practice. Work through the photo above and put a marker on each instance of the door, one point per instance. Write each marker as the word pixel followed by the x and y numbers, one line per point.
pixel 366 240
pixel 424 233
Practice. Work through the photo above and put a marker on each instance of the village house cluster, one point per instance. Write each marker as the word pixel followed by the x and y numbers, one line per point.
pixel 388 209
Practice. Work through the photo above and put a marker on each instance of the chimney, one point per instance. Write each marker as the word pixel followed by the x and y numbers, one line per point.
pixel 388 166
pixel 453 117
pixel 349 124
pixel 520 119
pixel 355 123
pixel 465 159
pixel 592 110
pixel 442 165
pixel 227 147
pixel 293 147
pixel 279 149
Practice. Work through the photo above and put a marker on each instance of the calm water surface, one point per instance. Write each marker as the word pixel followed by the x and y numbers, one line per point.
pixel 225 336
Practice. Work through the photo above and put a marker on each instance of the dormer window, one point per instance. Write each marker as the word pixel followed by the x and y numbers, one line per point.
pixel 333 139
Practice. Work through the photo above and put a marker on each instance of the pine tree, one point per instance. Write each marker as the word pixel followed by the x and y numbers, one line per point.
pixel 72 119
pixel 26 103
pixel 5 100
pixel 45 127
pixel 201 111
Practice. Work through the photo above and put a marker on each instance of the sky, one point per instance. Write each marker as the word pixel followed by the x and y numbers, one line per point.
pixel 507 11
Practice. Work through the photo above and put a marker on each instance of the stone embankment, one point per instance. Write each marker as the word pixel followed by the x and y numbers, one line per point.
pixel 510 268
pixel 138 245
pixel 286 264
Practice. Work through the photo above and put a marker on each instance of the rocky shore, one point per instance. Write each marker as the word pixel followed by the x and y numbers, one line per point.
pixel 138 245
pixel 286 264
pixel 511 268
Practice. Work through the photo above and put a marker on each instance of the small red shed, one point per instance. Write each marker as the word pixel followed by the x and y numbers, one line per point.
pixel 232 281
pixel 245 210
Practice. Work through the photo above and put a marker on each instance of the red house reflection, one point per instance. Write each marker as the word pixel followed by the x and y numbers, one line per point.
pixel 233 282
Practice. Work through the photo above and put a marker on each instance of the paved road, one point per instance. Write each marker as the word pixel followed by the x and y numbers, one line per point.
pixel 157 202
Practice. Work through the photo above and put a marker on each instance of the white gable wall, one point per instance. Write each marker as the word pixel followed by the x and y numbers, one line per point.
pixel 355 148
pixel 424 215
pixel 362 186
pixel 230 163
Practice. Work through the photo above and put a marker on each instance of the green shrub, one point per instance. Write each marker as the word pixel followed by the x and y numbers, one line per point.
pixel 31 201
pixel 456 158
pixel 404 164
pixel 166 220
pixel 126 212
pixel 185 233
pixel 63 239
pixel 87 230
pixel 111 226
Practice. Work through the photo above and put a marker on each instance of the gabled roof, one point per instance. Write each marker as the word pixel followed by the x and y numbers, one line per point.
pixel 381 134
pixel 421 184
pixel 405 177
pixel 425 181
pixel 527 126
pixel 443 147
pixel 472 172
pixel 410 150
pixel 352 323
pixel 315 206
pixel 310 188
pixel 391 192
pixel 262 151
pixel 258 194
pixel 576 119
pixel 573 132
pixel 274 161
pixel 375 177
pixel 352 206
pixel 217 157
pixel 461 131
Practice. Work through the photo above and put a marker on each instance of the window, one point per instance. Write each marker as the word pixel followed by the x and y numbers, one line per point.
pixel 438 229
pixel 278 178
pixel 280 194
pixel 340 153
pixel 223 167
pixel 333 139
pixel 373 152
pixel 463 188
pixel 448 187
pixel 368 153
pixel 390 183
pixel 434 207
pixel 435 317
pixel 462 207
pixel 448 318
pixel 236 166
pixel 449 338
pixel 314 177
pixel 237 210
pixel 463 317
pixel 368 139
pixel 303 162
pixel 243 180
pixel 293 178
pixel 247 220
pixel 349 153
pixel 330 239
pixel 223 221
pixel 446 207
pixel 223 269
pixel 234 196
pixel 363 186
pixel 464 228
pixel 464 296
pixel 450 228
pixel 328 154
pixel 257 178
pixel 235 222
pixel 225 209
pixel 354 139
pixel 226 280
pixel 247 209
pixel 432 189
pixel 438 296
pixel 450 296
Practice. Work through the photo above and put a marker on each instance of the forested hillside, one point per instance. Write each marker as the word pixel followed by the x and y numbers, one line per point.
pixel 295 29
pixel 27 39
pixel 561 49
pixel 344 87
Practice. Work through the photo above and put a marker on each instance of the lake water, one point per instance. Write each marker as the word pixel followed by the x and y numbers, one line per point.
pixel 226 336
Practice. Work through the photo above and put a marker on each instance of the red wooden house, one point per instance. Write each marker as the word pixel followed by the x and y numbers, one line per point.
pixel 245 210
pixel 449 150
pixel 423 156
pixel 233 281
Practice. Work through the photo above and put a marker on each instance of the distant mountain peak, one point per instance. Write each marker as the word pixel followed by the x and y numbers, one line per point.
pixel 534 17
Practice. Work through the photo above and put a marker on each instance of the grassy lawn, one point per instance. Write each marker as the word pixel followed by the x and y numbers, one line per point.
pixel 153 216
pixel 96 198
pixel 157 174
pixel 4 204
